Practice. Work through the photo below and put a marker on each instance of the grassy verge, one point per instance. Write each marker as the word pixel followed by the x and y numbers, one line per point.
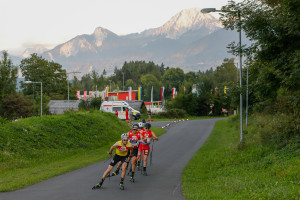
pixel 221 170
pixel 34 149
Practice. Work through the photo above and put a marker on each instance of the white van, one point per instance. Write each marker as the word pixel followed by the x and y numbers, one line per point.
pixel 120 106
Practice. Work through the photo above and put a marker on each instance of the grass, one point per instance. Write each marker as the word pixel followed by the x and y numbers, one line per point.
pixel 35 149
pixel 223 170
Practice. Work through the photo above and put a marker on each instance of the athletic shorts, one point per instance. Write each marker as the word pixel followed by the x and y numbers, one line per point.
pixel 135 151
pixel 117 159
pixel 145 148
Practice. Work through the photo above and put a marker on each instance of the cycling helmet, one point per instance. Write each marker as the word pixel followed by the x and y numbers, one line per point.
pixel 135 126
pixel 148 125
pixel 141 124
pixel 143 120
pixel 124 135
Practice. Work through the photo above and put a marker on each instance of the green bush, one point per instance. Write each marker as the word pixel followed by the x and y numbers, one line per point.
pixel 278 129
pixel 2 120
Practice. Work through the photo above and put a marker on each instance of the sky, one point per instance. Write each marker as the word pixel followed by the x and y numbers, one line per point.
pixel 25 23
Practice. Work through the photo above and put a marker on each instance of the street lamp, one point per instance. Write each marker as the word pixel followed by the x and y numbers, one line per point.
pixel 123 80
pixel 41 94
pixel 208 10
pixel 110 85
pixel 68 84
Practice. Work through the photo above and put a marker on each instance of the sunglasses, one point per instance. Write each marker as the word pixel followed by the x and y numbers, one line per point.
pixel 135 129
pixel 146 128
pixel 125 139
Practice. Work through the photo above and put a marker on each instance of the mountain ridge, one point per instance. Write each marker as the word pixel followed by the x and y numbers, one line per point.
pixel 187 41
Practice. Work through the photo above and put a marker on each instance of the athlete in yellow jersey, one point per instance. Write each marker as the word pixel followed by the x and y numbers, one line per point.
pixel 122 148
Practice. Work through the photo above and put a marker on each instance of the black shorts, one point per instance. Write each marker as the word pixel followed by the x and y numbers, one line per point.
pixel 117 159
pixel 135 151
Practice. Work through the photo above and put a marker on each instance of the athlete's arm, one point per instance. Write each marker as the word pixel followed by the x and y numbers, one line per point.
pixel 154 136
pixel 113 147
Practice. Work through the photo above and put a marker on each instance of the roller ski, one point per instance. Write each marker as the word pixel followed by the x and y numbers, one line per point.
pixel 114 173
pixel 98 186
pixel 131 179
pixel 144 171
pixel 121 186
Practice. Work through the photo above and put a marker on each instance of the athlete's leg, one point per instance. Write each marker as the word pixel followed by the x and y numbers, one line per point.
pixel 110 167
pixel 107 171
pixel 124 165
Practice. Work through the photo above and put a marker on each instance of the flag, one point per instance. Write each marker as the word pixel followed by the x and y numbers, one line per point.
pixel 162 90
pixel 139 93
pixel 129 93
pixel 118 94
pixel 173 93
pixel 78 94
pixel 90 95
pixel 84 95
pixel 152 94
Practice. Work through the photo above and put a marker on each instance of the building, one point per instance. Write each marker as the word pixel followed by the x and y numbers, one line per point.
pixel 60 106
pixel 122 96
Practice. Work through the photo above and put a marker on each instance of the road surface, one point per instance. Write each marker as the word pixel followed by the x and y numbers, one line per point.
pixel 170 155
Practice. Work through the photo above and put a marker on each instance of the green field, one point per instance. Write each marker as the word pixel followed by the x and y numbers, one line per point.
pixel 34 149
pixel 221 169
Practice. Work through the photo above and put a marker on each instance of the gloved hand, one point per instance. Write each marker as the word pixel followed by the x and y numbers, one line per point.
pixel 109 153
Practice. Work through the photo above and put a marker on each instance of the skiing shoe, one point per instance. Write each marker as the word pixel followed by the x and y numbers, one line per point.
pixel 131 179
pixel 122 186
pixel 114 173
pixel 98 186
pixel 145 173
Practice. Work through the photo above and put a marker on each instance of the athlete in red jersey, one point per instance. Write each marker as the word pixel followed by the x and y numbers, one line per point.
pixel 134 138
pixel 145 144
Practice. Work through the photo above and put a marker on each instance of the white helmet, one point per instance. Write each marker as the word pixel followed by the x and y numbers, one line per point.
pixel 124 135
pixel 141 125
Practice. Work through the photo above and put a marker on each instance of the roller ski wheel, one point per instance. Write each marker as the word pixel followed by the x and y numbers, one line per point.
pixel 145 173
pixel 98 186
pixel 122 187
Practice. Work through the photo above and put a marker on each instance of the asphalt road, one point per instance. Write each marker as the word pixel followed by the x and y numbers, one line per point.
pixel 170 155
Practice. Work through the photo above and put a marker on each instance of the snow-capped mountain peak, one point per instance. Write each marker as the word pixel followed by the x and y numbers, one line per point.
pixel 188 19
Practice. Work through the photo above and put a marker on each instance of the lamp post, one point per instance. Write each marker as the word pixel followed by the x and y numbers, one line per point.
pixel 41 94
pixel 123 80
pixel 110 85
pixel 68 84
pixel 209 10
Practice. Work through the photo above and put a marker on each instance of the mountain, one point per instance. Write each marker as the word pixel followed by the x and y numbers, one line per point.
pixel 39 49
pixel 189 40
pixel 186 20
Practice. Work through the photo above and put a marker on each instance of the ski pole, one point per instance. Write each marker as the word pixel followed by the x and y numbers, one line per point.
pixel 151 153
pixel 108 159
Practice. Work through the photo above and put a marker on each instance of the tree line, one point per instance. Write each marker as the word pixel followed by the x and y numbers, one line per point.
pixel 136 74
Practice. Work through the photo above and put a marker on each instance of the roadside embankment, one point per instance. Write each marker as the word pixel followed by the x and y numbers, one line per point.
pixel 34 149
pixel 223 169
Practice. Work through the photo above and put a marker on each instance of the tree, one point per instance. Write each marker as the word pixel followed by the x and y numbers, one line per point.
pixel 8 76
pixel 148 81
pixel 173 77
pixel 38 69
pixel 274 28
pixel 15 106
pixel 130 83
